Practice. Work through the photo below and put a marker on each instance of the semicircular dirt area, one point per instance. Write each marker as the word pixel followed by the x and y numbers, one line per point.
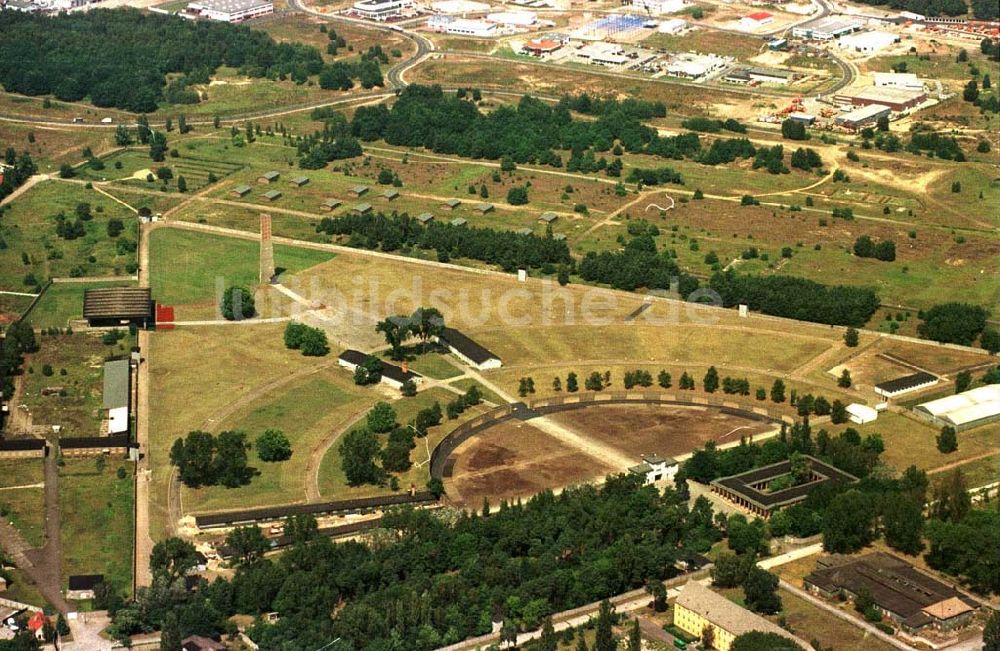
pixel 517 459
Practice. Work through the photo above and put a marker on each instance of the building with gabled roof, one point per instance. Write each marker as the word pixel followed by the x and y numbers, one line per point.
pixel 358 190
pixel 905 384
pixel 331 204
pixel 697 608
pixel 484 208
pixel 965 410
pixel 299 181
pixel 118 306
pixel 392 375
pixel 468 350
pixel 425 218
pixel 910 598
pixel 240 191
pixel 269 177
pixel 272 195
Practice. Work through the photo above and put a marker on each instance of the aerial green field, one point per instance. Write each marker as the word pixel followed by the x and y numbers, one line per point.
pixel 35 252
pixel 97 507
pixel 909 441
pixel 22 500
pixel 186 266
pixel 199 373
pixel 307 412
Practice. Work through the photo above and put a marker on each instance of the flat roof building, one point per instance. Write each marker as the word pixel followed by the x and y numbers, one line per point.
pixel 904 594
pixel 965 410
pixel 468 350
pixel 548 217
pixel 230 11
pixel 826 28
pixel 358 190
pixel 272 195
pixel 867 42
pixel 484 208
pixel 862 116
pixel 753 491
pixel 390 195
pixel 697 608
pixel 907 80
pixel 672 26
pixel 117 394
pixel 905 384
pixel 655 468
pixel 897 99
pixel 118 306
pixel 425 218
pixel 694 66
pixel 361 209
pixel 381 10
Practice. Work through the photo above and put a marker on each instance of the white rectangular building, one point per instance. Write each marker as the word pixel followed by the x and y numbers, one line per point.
pixel 655 468
pixel 381 10
pixel 230 11
pixel 867 42
pixel 827 28
pixel 905 80
pixel 672 26
pixel 462 26
pixel 861 414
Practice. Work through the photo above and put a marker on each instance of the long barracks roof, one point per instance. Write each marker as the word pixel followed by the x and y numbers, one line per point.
pixel 82 442
pixel 117 303
pixel 116 383
pixel 466 346
pixel 227 518
pixel 388 370
pixel 21 445
pixel 906 382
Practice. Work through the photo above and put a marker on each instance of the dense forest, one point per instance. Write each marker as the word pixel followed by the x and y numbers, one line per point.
pixel 797 298
pixel 981 9
pixel 533 131
pixel 428 582
pixel 398 232
pixel 120 58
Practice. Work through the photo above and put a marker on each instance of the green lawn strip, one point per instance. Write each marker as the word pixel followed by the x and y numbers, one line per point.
pixel 306 412
pixel 979 472
pixel 63 302
pixel 29 230
pixel 24 507
pixel 186 266
pixel 82 357
pixel 433 365
pixel 908 441
pixel 333 484
pixel 97 510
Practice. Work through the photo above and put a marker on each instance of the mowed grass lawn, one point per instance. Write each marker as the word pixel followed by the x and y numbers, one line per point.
pixel 25 507
pixel 909 441
pixel 809 622
pixel 307 412
pixel 62 303
pixel 97 509
pixel 196 374
pixel 333 483
pixel 186 266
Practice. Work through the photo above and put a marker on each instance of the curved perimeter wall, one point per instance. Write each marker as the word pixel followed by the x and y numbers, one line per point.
pixel 442 464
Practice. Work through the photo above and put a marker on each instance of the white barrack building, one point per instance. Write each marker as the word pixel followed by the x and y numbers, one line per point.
pixel 660 7
pixel 905 80
pixel 230 11
pixel 827 28
pixel 965 410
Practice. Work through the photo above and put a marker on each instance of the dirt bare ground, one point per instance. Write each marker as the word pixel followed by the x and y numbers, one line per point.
pixel 516 459
pixel 664 430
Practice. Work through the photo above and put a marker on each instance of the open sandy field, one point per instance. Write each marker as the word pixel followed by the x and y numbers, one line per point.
pixel 658 429
pixel 515 459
